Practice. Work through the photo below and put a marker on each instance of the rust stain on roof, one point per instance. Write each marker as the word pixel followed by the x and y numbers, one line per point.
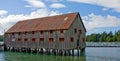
pixel 46 23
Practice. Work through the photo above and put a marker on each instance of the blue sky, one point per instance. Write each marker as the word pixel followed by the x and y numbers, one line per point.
pixel 98 15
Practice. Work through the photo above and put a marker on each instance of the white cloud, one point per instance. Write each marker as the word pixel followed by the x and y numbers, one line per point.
pixel 35 3
pixel 93 21
pixel 53 0
pixel 105 9
pixel 3 12
pixel 57 5
pixel 10 20
pixel 113 4
pixel 52 13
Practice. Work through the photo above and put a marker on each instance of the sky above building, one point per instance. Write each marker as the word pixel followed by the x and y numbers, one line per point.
pixel 97 15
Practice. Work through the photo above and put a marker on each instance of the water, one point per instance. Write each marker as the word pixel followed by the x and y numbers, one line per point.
pixel 91 54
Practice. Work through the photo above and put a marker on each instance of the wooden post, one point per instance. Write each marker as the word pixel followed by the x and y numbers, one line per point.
pixel 72 52
pixel 19 49
pixel 25 50
pixel 78 52
pixel 68 52
pixel 65 54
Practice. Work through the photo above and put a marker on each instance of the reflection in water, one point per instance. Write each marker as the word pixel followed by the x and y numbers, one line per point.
pixel 91 54
pixel 15 56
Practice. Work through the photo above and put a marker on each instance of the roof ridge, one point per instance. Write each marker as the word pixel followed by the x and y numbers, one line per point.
pixel 49 16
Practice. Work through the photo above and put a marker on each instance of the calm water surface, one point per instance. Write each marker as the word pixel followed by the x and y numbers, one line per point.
pixel 91 54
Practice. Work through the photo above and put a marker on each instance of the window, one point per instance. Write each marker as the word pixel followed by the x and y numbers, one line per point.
pixel 13 34
pixel 25 33
pixel 19 39
pixel 75 30
pixel 41 32
pixel 51 31
pixel 51 39
pixel 33 39
pixel 19 33
pixel 61 31
pixel 83 39
pixel 41 39
pixel 71 39
pixel 33 32
pixel 61 39
pixel 25 39
pixel 80 31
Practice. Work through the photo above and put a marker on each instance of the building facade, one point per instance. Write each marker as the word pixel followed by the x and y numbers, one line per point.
pixel 64 32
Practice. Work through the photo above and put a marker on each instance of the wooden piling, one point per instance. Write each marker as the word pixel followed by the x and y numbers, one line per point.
pixel 78 52
pixel 72 52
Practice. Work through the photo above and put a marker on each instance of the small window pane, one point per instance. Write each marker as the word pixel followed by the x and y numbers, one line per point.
pixel 83 39
pixel 41 32
pixel 19 33
pixel 75 30
pixel 80 31
pixel 51 39
pixel 33 39
pixel 61 31
pixel 33 32
pixel 41 39
pixel 61 39
pixel 51 31
pixel 19 39
pixel 25 39
pixel 72 39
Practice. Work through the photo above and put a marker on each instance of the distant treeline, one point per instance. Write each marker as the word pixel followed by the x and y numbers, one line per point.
pixel 1 37
pixel 104 37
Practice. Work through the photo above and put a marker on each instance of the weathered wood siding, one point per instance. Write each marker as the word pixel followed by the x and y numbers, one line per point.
pixel 70 33
pixel 11 40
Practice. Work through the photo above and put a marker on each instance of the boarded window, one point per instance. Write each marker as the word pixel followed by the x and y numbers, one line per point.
pixel 41 39
pixel 51 39
pixel 83 39
pixel 61 31
pixel 51 31
pixel 33 39
pixel 75 30
pixel 61 39
pixel 41 32
pixel 25 39
pixel 80 31
pixel 19 39
pixel 71 39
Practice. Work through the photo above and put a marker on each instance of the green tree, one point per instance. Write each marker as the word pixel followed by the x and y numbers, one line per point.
pixel 104 37
pixel 108 39
pixel 118 36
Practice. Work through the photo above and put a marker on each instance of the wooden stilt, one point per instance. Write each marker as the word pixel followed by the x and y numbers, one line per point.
pixel 72 52
pixel 65 52
pixel 68 52
pixel 78 52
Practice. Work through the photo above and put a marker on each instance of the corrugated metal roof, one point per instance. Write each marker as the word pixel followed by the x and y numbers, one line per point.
pixel 46 23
